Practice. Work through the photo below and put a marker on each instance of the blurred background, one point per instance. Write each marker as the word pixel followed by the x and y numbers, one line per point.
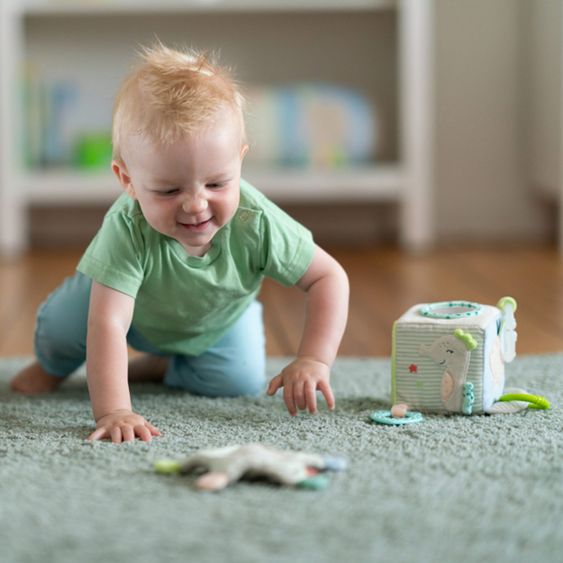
pixel 326 82
pixel 413 125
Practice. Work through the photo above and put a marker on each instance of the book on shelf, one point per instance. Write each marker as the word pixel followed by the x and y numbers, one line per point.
pixel 301 126
pixel 54 134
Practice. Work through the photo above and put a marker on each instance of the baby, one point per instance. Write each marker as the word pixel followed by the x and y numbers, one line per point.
pixel 175 269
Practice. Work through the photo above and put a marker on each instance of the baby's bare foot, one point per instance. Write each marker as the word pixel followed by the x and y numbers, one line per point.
pixel 34 380
pixel 147 367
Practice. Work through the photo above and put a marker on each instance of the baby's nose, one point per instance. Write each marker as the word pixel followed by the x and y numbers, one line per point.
pixel 195 204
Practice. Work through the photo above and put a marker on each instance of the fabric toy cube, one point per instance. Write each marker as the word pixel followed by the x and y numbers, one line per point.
pixel 449 357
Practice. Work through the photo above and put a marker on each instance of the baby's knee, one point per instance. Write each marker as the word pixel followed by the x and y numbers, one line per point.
pixel 244 374
pixel 56 330
pixel 245 379
pixel 217 379
pixel 62 323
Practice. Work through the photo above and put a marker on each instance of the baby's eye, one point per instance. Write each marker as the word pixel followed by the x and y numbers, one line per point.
pixel 169 191
pixel 220 183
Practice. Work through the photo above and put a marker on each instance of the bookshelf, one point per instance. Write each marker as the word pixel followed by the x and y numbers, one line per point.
pixel 380 47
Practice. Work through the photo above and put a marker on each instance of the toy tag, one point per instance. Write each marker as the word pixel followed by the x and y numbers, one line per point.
pixel 507 332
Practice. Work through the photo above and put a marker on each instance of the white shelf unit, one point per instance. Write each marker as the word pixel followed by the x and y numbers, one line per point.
pixel 57 33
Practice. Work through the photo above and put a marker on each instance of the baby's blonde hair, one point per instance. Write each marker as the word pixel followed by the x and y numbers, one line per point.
pixel 171 94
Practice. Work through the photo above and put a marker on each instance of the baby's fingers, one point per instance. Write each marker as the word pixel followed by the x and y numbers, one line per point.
pixel 299 395
pixel 98 434
pixel 128 433
pixel 311 396
pixel 116 435
pixel 326 390
pixel 143 432
pixel 289 400
pixel 125 433
pixel 153 429
pixel 275 384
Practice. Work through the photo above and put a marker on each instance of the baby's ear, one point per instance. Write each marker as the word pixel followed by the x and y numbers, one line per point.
pixel 120 171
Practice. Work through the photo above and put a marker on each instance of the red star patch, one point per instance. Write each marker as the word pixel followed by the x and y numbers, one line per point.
pixel 413 368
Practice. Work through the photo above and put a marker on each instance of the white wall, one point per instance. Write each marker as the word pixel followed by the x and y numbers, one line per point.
pixel 481 164
pixel 542 30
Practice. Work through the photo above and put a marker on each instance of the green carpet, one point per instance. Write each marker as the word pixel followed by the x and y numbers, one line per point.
pixel 463 489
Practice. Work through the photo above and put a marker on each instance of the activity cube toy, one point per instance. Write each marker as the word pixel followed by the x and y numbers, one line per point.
pixel 449 357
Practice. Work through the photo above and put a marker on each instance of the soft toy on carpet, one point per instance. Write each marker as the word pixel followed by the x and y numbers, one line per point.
pixel 450 357
pixel 223 466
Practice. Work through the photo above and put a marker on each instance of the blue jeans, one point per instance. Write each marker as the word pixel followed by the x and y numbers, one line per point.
pixel 234 366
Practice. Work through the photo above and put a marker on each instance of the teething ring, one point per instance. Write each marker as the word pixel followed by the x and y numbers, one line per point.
pixel 384 417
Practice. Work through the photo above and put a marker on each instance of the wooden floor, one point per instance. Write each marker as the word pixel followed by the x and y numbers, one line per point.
pixel 384 283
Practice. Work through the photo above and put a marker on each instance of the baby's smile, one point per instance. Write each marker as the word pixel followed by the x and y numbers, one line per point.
pixel 197 227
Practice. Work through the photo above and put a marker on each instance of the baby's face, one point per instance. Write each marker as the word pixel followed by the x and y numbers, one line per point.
pixel 189 190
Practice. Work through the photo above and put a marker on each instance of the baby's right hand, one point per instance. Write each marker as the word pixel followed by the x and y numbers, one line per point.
pixel 123 426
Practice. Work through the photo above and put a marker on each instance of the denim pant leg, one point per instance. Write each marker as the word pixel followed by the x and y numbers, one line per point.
pixel 61 326
pixel 233 366
pixel 236 365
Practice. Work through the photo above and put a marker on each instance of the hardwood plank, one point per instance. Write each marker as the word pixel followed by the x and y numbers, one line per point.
pixel 384 283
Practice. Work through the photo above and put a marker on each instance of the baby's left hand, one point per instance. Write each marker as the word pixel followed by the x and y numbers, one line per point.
pixel 300 381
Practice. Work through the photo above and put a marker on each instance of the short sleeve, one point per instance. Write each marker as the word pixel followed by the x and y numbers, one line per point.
pixel 287 246
pixel 114 257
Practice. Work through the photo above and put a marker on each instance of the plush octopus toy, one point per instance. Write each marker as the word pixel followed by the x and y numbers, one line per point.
pixel 218 468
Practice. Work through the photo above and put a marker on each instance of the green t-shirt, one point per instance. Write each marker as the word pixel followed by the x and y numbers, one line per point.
pixel 184 304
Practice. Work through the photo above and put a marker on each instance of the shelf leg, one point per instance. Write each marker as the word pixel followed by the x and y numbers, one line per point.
pixel 13 228
pixel 417 110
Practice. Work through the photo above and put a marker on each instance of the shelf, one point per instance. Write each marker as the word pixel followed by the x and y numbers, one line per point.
pixel 300 41
pixel 113 7
pixel 366 184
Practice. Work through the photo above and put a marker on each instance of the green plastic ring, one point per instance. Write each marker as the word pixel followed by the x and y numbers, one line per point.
pixel 536 402
pixel 440 310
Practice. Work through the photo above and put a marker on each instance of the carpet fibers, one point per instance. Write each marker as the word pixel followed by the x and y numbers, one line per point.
pixel 463 489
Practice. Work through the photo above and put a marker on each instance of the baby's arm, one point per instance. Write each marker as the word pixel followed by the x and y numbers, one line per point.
pixel 109 319
pixel 326 285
